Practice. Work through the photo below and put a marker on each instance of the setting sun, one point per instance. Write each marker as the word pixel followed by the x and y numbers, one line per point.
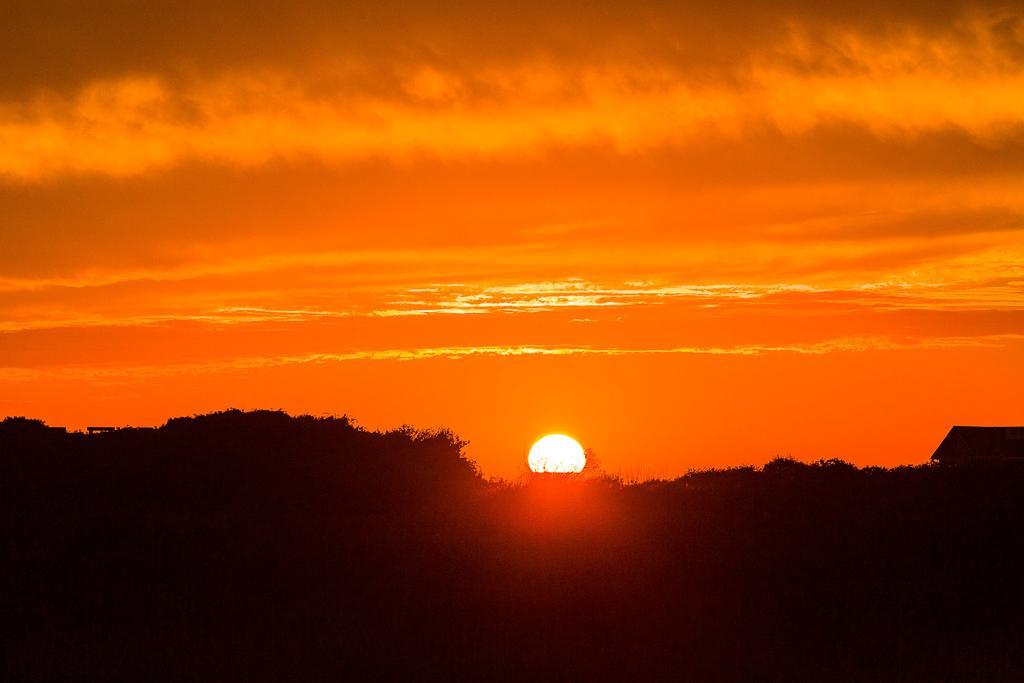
pixel 557 453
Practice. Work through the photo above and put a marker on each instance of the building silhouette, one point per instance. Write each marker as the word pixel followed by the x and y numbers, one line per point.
pixel 980 444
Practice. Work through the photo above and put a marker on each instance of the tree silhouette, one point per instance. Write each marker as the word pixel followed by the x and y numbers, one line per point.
pixel 262 546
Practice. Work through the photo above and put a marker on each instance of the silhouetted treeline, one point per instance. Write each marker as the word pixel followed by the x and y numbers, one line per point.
pixel 241 546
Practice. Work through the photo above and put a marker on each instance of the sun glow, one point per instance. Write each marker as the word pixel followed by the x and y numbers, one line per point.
pixel 557 453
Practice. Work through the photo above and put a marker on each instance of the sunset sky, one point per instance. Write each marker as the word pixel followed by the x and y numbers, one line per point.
pixel 688 234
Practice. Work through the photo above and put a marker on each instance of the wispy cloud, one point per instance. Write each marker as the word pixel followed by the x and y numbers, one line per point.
pixel 134 373
pixel 994 289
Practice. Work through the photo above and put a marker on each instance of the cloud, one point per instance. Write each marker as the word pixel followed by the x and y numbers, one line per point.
pixel 348 167
pixel 72 43
pixel 912 83
pixel 214 297
pixel 129 374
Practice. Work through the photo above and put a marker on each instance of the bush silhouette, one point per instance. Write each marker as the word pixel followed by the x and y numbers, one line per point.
pixel 262 546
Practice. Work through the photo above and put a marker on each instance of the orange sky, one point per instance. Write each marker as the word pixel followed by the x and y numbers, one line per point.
pixel 690 235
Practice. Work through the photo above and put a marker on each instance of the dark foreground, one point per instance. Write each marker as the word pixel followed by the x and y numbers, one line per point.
pixel 257 546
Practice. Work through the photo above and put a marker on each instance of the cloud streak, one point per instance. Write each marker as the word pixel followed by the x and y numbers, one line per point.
pixel 993 289
pixel 136 373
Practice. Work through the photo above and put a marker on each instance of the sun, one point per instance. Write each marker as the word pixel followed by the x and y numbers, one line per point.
pixel 557 453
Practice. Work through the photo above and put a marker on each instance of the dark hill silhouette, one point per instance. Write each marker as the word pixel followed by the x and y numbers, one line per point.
pixel 262 546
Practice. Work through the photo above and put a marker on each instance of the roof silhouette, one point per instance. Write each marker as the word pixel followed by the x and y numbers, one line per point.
pixel 974 444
